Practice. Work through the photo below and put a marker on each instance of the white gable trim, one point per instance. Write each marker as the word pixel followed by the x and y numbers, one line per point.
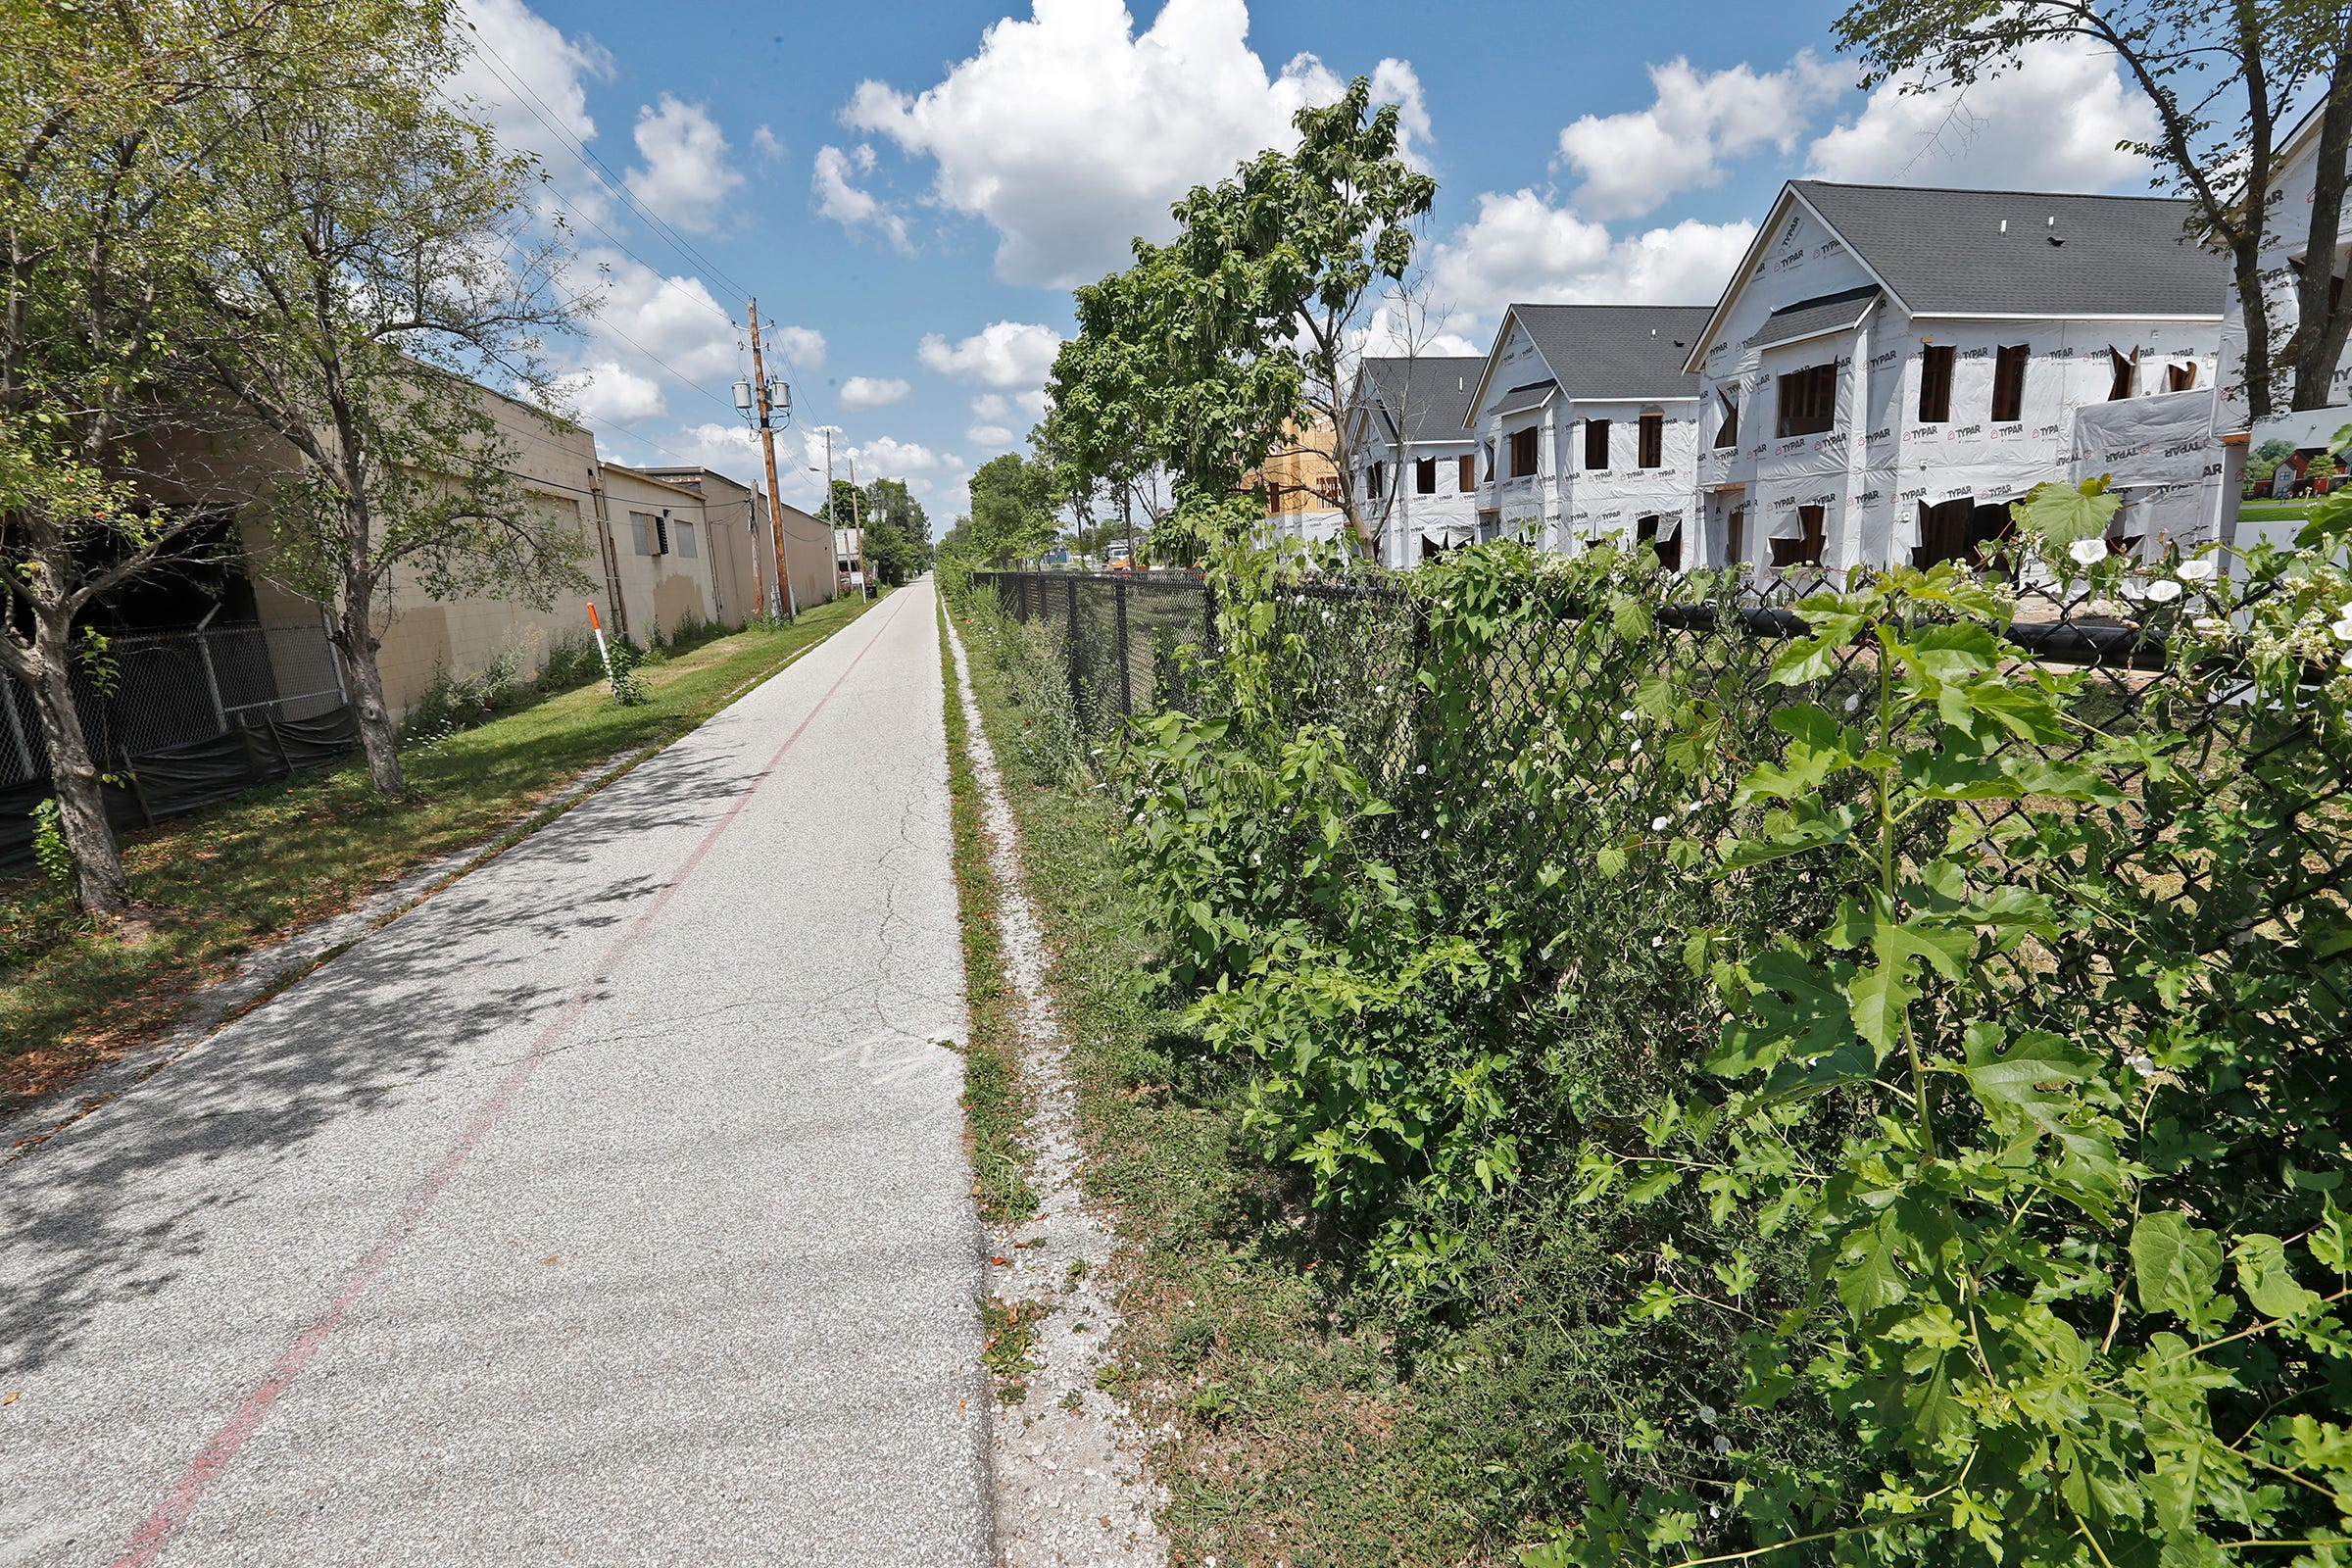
pixel 1742 277
pixel 1486 377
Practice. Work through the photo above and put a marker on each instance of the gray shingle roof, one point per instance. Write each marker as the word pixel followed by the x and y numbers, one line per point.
pixel 1943 251
pixel 1628 352
pixel 1438 386
pixel 1830 313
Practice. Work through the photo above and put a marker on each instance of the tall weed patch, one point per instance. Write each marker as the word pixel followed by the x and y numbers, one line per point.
pixel 1829 1087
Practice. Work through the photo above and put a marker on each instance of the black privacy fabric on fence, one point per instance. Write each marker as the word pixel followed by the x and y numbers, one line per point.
pixel 183 717
pixel 181 778
pixel 1609 708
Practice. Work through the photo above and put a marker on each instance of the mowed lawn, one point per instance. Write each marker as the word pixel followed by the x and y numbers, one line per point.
pixel 232 878
pixel 2274 511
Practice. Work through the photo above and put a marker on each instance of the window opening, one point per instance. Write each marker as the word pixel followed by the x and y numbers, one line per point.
pixel 1809 400
pixel 1935 383
pixel 2009 383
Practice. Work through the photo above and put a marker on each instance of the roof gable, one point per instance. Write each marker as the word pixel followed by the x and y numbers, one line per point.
pixel 1425 397
pixel 1622 353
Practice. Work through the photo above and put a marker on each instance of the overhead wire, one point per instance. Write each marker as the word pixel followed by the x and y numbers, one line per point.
pixel 538 109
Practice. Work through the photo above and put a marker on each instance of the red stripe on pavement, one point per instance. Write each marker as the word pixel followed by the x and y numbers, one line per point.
pixel 180 1501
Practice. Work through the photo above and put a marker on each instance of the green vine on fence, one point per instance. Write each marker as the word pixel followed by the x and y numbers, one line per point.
pixel 2064 1332
pixel 1943 1050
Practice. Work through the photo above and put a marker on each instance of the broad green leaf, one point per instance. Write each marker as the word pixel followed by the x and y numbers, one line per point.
pixel 2175 1264
pixel 1880 1000
pixel 2008 1077
pixel 2267 1281
pixel 1794 1011
pixel 1868 1276
pixel 2063 513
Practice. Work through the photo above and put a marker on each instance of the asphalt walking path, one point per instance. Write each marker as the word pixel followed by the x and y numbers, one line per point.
pixel 609 1208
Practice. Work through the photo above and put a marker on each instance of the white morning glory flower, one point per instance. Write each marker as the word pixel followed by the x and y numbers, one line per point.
pixel 1723 1445
pixel 2197 570
pixel 1706 1413
pixel 2090 552
pixel 2343 628
pixel 1657 824
pixel 2163 591
pixel 1853 702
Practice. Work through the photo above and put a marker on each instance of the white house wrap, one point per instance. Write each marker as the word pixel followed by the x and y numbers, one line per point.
pixel 1588 425
pixel 1891 367
pixel 2161 455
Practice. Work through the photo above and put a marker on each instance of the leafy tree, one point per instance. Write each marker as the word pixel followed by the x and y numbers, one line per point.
pixel 370 270
pixel 110 120
pixel 1012 511
pixel 1213 350
pixel 898 531
pixel 2223 78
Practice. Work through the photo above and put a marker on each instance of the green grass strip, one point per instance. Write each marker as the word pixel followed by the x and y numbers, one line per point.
pixel 994 1102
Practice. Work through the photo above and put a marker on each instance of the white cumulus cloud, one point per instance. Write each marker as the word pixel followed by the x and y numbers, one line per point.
pixel 886 458
pixel 643 316
pixel 1521 248
pixel 767 144
pixel 1002 354
pixel 1632 163
pixel 607 391
pixel 1069 131
pixel 2051 123
pixel 686 178
pixel 530 79
pixel 873 391
pixel 802 348
pixel 989 435
pixel 834 184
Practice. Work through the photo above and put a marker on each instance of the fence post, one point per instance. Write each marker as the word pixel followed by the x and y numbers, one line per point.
pixel 1077 698
pixel 1208 629
pixel 1126 653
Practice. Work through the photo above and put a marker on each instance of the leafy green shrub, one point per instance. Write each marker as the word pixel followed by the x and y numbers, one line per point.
pixel 628 691
pixel 49 850
pixel 450 702
pixel 1997 1223
pixel 2085 1255
pixel 572 660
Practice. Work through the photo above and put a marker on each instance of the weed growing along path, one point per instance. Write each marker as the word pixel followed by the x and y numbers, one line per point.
pixel 1067 1461
pixel 1284 1426
pixel 244 874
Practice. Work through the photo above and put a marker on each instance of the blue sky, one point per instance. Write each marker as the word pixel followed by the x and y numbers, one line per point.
pixel 909 191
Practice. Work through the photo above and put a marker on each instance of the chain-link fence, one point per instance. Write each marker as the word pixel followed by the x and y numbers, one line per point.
pixel 178 720
pixel 1123 634
pixel 1662 722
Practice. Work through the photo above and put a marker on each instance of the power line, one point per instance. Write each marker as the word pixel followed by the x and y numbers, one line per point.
pixel 596 168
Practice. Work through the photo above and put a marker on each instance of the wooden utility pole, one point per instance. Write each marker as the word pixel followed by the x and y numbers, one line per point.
pixel 767 443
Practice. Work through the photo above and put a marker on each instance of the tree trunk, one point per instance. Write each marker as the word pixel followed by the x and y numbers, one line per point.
pixel 356 637
pixel 2320 340
pixel 103 889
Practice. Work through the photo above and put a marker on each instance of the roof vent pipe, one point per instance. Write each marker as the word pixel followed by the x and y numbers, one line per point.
pixel 2004 225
